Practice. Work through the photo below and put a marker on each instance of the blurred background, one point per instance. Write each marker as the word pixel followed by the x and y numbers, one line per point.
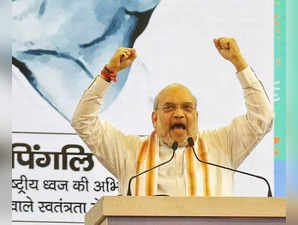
pixel 5 111
pixel 292 111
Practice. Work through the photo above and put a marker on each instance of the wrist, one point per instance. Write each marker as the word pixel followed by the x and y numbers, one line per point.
pixel 239 63
pixel 109 74
pixel 112 67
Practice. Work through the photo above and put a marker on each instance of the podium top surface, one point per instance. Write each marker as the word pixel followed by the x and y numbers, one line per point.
pixel 254 207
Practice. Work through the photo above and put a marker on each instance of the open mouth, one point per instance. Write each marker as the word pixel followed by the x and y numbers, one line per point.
pixel 178 126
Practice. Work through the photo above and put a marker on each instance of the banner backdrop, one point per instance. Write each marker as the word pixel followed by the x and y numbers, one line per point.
pixel 60 46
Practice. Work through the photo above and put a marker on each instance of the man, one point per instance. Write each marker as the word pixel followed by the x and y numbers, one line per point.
pixel 175 119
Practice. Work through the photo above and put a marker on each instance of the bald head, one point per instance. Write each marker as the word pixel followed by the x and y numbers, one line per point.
pixel 167 90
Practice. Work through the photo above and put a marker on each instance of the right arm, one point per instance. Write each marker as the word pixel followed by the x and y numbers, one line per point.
pixel 105 141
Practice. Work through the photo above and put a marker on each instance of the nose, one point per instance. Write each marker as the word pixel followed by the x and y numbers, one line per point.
pixel 179 113
pixel 179 117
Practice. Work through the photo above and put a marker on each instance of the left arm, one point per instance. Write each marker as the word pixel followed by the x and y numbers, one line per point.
pixel 246 131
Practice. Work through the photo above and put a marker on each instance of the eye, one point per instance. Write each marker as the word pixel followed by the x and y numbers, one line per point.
pixel 188 108
pixel 169 107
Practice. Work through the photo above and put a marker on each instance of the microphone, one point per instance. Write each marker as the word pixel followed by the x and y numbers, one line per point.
pixel 191 144
pixel 174 147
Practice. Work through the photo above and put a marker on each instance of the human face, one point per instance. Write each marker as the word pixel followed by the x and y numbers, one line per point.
pixel 175 118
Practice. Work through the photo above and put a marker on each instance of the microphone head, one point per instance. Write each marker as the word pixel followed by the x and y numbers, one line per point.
pixel 175 145
pixel 190 141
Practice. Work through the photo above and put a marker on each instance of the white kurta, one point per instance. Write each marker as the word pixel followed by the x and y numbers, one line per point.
pixel 227 146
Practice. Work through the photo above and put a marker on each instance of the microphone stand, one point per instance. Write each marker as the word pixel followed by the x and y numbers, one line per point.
pixel 174 147
pixel 191 144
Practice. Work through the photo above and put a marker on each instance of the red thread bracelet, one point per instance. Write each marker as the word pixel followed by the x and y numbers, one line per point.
pixel 109 74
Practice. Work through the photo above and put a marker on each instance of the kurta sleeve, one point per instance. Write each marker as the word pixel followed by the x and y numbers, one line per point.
pixel 246 131
pixel 111 146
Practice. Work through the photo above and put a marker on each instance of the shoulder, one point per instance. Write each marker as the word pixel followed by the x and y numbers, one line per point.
pixel 217 138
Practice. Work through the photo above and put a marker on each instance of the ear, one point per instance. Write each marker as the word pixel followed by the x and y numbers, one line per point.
pixel 154 119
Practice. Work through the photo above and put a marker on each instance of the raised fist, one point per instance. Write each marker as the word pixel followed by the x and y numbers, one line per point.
pixel 228 48
pixel 122 58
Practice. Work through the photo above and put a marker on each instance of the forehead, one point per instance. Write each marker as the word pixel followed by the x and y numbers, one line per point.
pixel 175 94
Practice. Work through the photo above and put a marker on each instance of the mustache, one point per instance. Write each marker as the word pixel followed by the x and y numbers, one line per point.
pixel 178 125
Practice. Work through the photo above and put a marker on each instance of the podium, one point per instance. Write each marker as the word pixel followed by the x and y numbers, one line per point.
pixel 163 210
